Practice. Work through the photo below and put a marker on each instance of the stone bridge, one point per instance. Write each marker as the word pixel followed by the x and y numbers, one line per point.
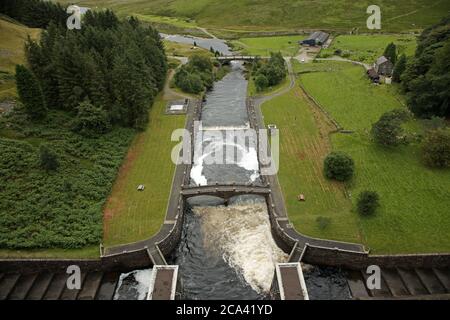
pixel 227 59
pixel 224 191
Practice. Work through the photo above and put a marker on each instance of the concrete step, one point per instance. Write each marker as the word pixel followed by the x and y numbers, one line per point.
pixel 56 287
pixel 72 294
pixel 356 284
pixel 156 256
pixel 412 281
pixel 90 286
pixel 430 281
pixel 40 286
pixel 22 286
pixel 394 282
pixel 7 284
pixel 382 292
pixel 444 276
pixel 108 286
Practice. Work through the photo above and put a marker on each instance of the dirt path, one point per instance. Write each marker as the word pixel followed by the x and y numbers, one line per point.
pixel 207 32
pixel 169 93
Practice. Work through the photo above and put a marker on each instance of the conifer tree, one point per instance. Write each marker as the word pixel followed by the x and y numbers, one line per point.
pixel 30 93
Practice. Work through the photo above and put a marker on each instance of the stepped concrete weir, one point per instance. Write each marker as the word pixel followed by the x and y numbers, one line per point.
pixel 290 281
pixel 163 283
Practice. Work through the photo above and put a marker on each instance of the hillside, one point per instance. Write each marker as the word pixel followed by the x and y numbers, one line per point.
pixel 283 15
pixel 12 39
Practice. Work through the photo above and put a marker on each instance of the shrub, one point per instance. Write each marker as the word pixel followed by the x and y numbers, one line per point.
pixel 368 202
pixel 338 166
pixel 387 131
pixel 261 82
pixel 91 120
pixel 48 158
pixel 436 148
pixel 323 222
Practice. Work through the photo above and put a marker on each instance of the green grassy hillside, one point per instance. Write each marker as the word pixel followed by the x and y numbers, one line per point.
pixel 266 15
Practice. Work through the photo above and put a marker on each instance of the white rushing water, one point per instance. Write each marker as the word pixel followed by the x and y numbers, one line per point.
pixel 241 233
pixel 133 285
pixel 223 152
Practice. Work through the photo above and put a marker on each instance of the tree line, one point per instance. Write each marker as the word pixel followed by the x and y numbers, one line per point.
pixel 109 68
pixel 426 76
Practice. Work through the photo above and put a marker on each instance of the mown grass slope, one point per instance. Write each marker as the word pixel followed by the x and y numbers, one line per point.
pixel 304 144
pixel 131 215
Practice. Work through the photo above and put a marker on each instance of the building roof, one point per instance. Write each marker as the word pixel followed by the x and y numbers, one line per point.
pixel 318 36
pixel 381 60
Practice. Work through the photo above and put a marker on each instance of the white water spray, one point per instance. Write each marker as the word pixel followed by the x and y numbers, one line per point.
pixel 242 234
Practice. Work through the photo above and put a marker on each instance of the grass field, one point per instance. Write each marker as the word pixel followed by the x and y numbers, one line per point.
pixel 414 200
pixel 367 48
pixel 262 46
pixel 12 40
pixel 358 104
pixel 184 50
pixel 130 215
pixel 263 15
pixel 304 144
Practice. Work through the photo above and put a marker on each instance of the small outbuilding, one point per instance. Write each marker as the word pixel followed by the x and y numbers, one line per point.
pixel 373 75
pixel 383 66
pixel 316 38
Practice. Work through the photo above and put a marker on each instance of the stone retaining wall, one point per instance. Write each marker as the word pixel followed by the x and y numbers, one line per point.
pixel 356 260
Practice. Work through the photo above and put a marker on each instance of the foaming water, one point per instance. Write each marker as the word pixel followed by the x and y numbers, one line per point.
pixel 133 285
pixel 227 252
pixel 241 233
pixel 219 157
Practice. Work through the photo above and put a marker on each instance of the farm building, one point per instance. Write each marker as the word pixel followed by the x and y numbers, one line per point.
pixel 373 75
pixel 316 38
pixel 383 66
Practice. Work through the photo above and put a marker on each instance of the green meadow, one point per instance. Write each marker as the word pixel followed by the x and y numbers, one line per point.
pixel 367 48
pixel 262 46
pixel 414 199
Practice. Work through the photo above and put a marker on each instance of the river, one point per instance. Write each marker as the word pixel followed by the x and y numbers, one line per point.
pixel 227 250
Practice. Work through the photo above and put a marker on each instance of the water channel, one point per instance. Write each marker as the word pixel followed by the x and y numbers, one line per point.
pixel 227 250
